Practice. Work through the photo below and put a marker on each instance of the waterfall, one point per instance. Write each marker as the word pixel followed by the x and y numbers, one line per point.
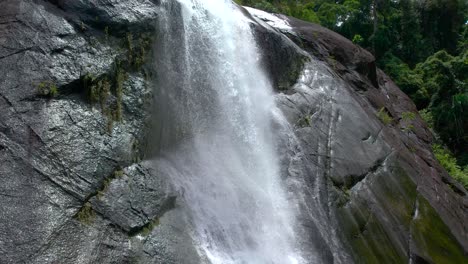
pixel 216 135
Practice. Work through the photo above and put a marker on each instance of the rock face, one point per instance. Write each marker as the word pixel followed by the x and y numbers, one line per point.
pixel 75 101
pixel 75 104
pixel 372 189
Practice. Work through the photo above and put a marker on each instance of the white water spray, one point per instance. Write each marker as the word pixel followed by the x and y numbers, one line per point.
pixel 217 138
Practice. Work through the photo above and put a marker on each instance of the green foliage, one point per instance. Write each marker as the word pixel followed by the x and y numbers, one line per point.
pixel 47 88
pixel 438 85
pixel 86 214
pixel 446 94
pixel 383 115
pixel 357 39
pixel 426 115
pixel 408 116
pixel 409 81
pixel 449 162
pixel 412 30
pixel 99 90
pixel 407 119
pixel 422 45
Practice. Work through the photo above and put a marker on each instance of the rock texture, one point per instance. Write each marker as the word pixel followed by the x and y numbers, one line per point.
pixel 372 190
pixel 75 111
pixel 73 188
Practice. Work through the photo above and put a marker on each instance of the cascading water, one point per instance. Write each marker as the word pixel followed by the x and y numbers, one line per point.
pixel 216 135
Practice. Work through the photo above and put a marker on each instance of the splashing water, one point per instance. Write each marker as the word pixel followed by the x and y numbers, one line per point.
pixel 216 117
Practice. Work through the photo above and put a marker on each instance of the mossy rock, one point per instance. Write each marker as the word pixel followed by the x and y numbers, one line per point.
pixel 387 217
pixel 433 238
pixel 367 237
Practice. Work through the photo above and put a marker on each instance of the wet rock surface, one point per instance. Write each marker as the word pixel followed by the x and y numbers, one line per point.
pixel 78 188
pixel 75 104
pixel 369 167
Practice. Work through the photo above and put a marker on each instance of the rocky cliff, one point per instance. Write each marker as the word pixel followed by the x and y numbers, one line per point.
pixel 76 86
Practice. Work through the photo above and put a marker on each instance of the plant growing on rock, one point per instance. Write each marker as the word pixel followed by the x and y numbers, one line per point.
pixel 86 214
pixel 119 80
pixel 407 118
pixel 383 115
pixel 449 162
pixel 149 227
pixel 104 187
pixel 118 173
pixel 104 91
pixel 305 121
pixel 47 88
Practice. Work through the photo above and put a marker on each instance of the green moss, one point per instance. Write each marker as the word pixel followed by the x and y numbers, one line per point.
pixel 383 115
pixel 104 91
pixel 104 187
pixel 86 214
pixel 369 239
pixel 118 173
pixel 106 183
pixel 305 121
pixel 137 49
pixel 408 128
pixel 98 89
pixel 396 195
pixel 109 125
pixel 433 237
pixel 119 81
pixel 129 41
pixel 332 62
pixel 87 82
pixel 136 151
pixel 53 91
pixel 149 227
pixel 343 195
pixel 47 88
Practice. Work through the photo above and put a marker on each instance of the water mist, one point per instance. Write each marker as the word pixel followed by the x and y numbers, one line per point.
pixel 216 135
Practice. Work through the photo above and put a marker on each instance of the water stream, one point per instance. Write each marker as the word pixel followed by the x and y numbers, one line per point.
pixel 216 135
